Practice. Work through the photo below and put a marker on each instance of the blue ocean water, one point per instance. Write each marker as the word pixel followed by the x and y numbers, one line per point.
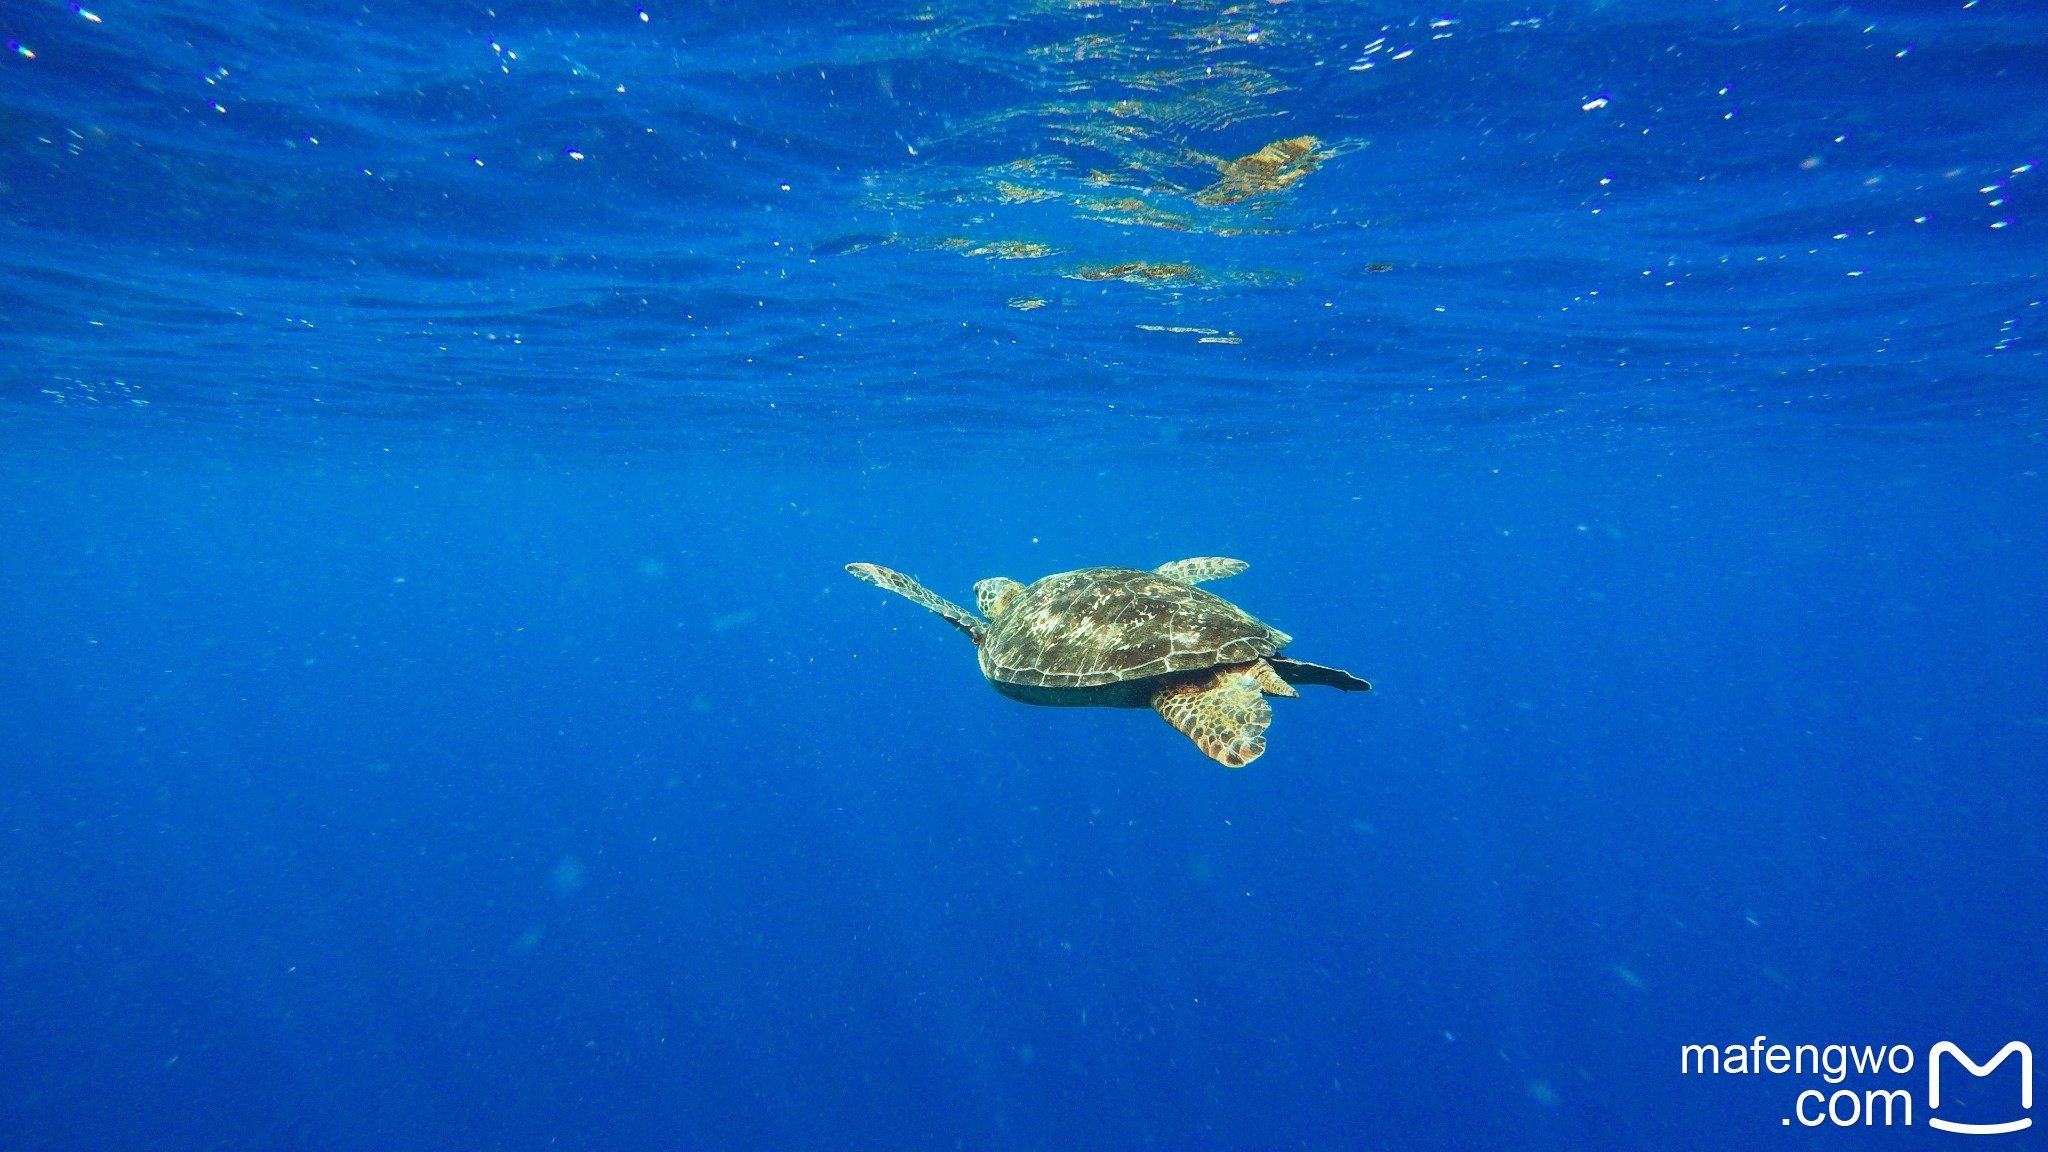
pixel 433 714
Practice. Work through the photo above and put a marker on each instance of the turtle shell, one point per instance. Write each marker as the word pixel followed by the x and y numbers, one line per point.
pixel 1101 626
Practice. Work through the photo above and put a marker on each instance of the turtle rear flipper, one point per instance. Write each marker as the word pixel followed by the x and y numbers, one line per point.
pixel 1270 681
pixel 1224 713
pixel 1303 672
pixel 902 585
pixel 1201 568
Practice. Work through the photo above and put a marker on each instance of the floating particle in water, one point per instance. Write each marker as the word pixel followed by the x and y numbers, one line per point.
pixel 19 49
pixel 1596 103
pixel 86 13
pixel 1026 303
pixel 1379 267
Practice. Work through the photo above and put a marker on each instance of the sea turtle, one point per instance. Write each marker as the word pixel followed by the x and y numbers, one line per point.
pixel 1126 638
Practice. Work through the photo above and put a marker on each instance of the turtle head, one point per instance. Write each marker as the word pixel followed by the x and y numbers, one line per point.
pixel 994 594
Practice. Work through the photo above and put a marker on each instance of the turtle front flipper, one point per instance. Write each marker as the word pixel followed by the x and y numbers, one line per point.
pixel 1223 712
pixel 1201 568
pixel 902 585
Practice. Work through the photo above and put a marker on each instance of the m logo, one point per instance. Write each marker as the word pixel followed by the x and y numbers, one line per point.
pixel 1976 1069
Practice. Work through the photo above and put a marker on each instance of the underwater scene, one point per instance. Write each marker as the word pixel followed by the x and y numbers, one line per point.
pixel 1023 575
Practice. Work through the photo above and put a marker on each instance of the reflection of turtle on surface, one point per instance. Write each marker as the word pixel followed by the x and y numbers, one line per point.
pixel 1277 166
pixel 1122 638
